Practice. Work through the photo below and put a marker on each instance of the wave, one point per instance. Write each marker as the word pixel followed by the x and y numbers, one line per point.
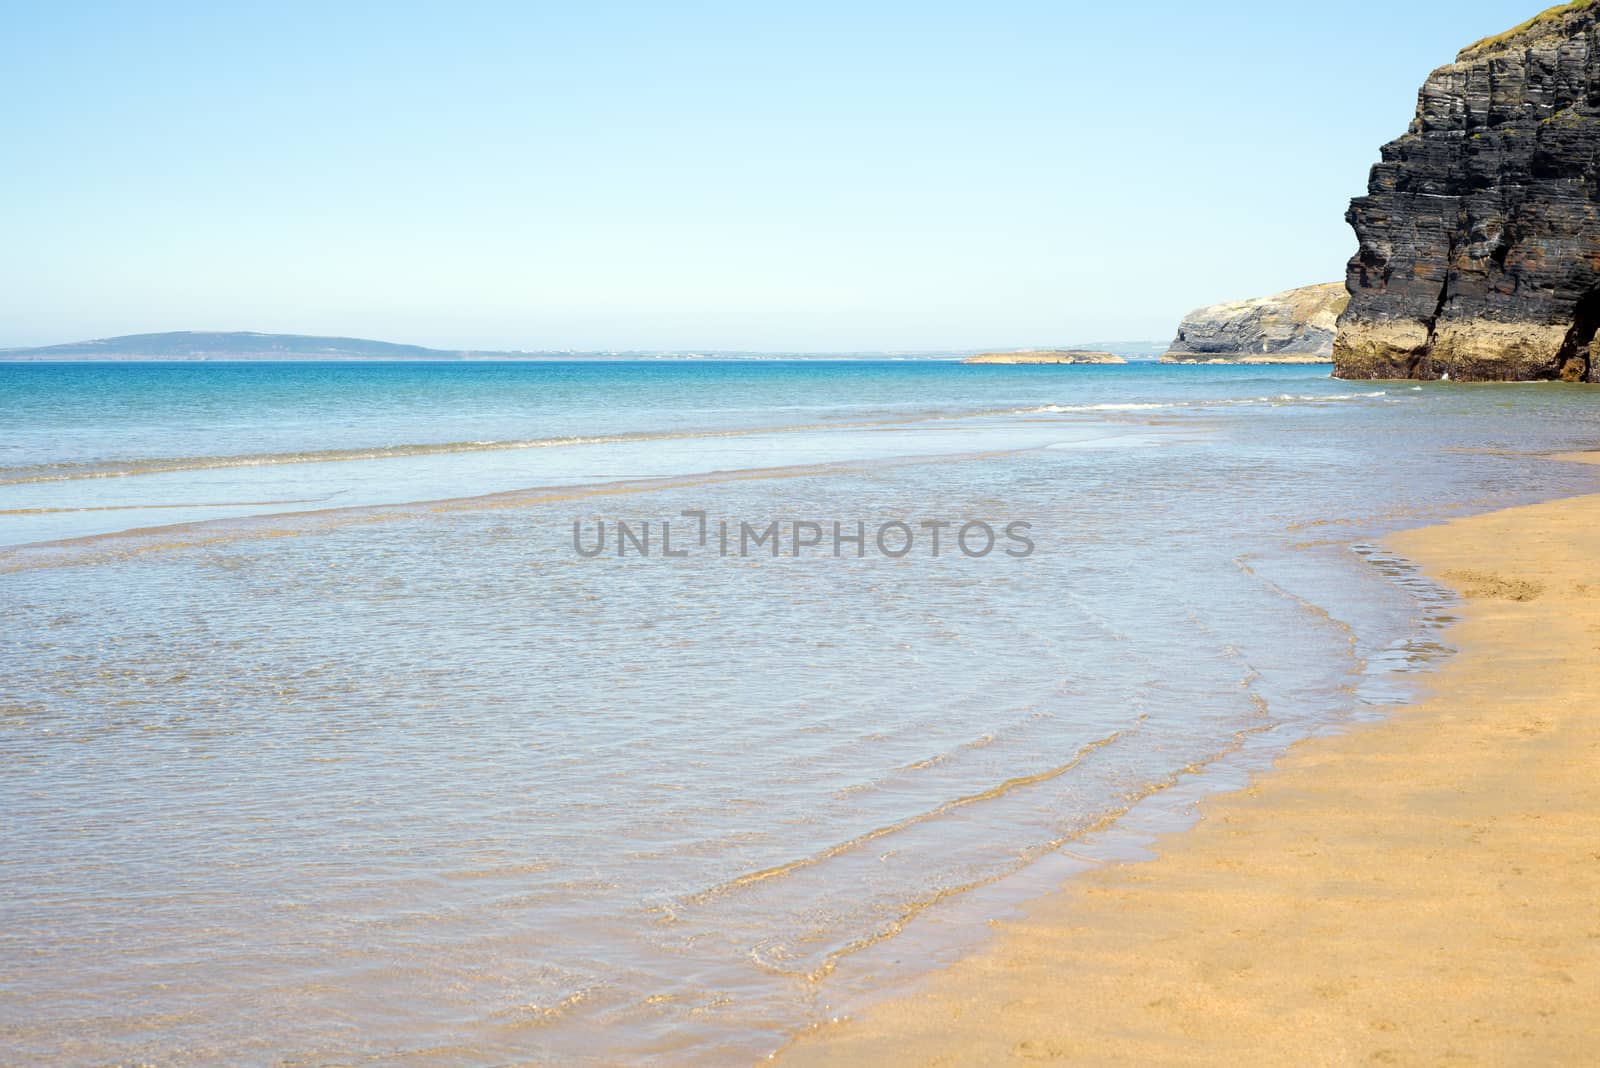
pixel 142 506
pixel 67 471
pixel 1220 402
pixel 70 471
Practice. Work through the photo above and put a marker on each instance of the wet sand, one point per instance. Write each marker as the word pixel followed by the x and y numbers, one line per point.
pixel 1424 890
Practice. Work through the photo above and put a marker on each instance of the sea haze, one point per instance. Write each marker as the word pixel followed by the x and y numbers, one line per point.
pixel 251 346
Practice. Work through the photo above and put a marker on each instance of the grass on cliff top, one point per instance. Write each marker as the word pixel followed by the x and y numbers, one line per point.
pixel 1548 15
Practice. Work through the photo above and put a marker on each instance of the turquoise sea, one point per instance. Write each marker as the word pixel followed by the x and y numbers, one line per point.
pixel 322 743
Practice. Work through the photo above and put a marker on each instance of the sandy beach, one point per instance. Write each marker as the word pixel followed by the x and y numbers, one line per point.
pixel 1418 891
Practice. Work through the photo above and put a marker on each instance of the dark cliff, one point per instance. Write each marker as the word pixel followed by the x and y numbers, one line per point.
pixel 1480 231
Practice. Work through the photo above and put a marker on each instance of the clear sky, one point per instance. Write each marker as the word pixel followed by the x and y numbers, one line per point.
pixel 748 175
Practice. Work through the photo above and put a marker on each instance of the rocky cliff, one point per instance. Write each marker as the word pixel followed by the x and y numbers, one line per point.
pixel 1296 326
pixel 1480 232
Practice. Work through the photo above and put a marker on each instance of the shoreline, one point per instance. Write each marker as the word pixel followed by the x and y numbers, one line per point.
pixel 1419 889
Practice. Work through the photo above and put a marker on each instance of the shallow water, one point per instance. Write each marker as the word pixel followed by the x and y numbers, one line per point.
pixel 384 770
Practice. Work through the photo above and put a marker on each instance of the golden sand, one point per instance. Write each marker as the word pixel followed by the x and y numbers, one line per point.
pixel 1420 891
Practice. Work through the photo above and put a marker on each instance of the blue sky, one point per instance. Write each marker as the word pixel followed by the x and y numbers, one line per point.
pixel 822 176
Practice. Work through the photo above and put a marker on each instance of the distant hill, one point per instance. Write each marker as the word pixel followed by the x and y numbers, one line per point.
pixel 233 345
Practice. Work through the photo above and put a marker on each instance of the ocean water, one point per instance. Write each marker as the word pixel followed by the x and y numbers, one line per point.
pixel 321 742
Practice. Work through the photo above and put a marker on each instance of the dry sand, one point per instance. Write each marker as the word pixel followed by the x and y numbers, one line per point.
pixel 1420 891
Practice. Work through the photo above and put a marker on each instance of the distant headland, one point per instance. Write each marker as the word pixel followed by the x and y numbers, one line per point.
pixel 1296 326
pixel 1034 356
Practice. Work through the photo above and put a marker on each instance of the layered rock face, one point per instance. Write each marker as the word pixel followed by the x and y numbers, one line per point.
pixel 1296 326
pixel 1480 232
